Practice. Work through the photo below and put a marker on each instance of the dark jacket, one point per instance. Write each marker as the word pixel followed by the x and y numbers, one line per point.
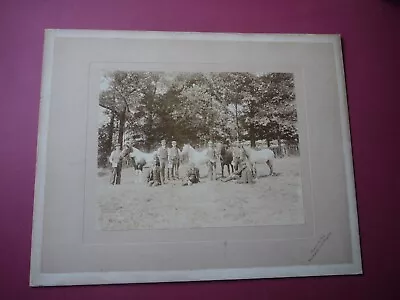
pixel 154 174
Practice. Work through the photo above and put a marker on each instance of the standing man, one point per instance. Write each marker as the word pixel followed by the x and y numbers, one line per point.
pixel 211 161
pixel 116 163
pixel 174 157
pixel 162 153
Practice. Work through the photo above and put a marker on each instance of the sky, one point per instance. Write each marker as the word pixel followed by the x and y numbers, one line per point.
pixel 102 117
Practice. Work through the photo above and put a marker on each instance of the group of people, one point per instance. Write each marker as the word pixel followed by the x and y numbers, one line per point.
pixel 154 177
pixel 166 163
pixel 169 160
pixel 244 171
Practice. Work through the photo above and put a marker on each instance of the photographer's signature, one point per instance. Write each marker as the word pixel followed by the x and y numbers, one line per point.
pixel 318 246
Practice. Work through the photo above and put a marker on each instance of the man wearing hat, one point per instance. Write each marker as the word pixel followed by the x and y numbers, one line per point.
pixel 173 158
pixel 162 153
pixel 116 163
pixel 211 161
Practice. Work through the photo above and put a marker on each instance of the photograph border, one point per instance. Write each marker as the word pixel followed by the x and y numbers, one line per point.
pixel 37 278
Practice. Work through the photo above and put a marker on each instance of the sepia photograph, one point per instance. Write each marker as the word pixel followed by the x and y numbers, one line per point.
pixel 187 150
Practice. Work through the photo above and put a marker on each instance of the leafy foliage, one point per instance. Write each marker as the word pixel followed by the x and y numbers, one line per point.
pixel 145 107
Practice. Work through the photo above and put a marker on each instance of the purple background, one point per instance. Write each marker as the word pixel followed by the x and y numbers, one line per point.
pixel 370 31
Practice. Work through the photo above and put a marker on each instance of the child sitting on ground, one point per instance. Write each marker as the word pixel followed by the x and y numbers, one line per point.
pixel 192 175
pixel 154 176
pixel 247 175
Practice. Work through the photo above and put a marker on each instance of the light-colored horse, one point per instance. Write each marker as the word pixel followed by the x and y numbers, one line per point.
pixel 260 157
pixel 139 156
pixel 194 156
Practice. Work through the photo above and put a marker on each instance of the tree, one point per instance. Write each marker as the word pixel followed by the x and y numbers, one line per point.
pixel 278 114
pixel 146 107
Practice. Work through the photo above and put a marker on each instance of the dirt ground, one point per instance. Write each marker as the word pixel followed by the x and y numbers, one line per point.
pixel 272 200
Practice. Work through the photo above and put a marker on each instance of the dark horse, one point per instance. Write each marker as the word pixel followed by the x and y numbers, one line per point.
pixel 226 157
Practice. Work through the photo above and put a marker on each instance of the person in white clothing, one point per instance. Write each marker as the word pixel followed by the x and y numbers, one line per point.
pixel 116 164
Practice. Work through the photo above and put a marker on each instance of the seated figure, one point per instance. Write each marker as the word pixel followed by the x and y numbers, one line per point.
pixel 192 175
pixel 244 173
pixel 154 176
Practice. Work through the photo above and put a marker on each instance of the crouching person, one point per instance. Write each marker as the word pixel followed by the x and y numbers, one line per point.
pixel 140 165
pixel 247 173
pixel 244 173
pixel 236 174
pixel 192 175
pixel 154 176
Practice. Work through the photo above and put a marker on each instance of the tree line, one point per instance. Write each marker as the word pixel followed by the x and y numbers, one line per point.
pixel 146 107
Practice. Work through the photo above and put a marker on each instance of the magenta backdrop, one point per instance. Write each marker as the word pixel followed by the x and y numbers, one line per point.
pixel 370 31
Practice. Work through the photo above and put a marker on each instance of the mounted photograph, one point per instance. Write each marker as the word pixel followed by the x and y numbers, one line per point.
pixel 186 150
pixel 184 156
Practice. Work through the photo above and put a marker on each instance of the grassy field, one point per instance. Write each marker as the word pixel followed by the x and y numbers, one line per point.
pixel 271 200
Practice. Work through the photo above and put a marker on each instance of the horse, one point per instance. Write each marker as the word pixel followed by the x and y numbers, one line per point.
pixel 260 156
pixel 141 159
pixel 226 158
pixel 194 156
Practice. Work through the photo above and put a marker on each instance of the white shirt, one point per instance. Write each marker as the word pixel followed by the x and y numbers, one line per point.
pixel 114 158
